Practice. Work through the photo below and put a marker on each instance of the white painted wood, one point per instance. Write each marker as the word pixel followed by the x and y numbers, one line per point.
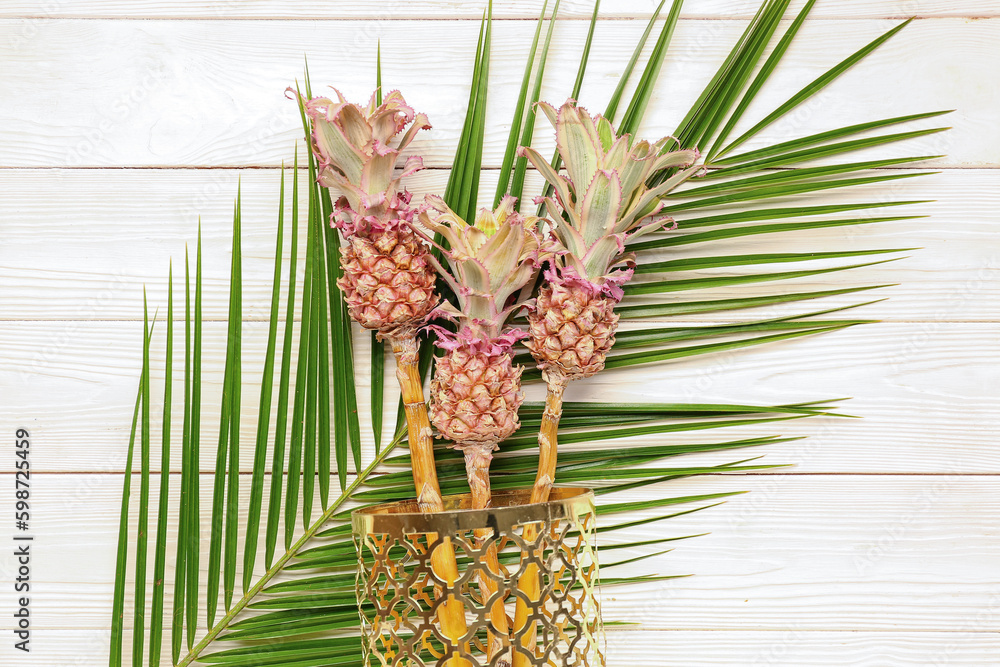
pixel 195 93
pixel 878 548
pixel 423 9
pixel 680 648
pixel 796 647
pixel 92 263
pixel 923 388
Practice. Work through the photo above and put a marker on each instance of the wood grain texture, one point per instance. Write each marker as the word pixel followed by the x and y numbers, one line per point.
pixel 794 647
pixel 387 10
pixel 197 93
pixel 87 253
pixel 878 548
pixel 926 392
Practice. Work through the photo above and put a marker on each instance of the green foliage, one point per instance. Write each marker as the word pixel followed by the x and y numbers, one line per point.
pixel 301 610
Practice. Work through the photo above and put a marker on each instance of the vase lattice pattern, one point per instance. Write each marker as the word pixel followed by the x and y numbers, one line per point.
pixel 401 596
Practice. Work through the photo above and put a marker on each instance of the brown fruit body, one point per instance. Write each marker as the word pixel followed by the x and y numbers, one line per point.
pixel 387 281
pixel 571 330
pixel 475 395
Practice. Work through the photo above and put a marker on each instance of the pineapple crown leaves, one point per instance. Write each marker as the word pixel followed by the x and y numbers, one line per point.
pixel 384 213
pixel 469 340
pixel 354 146
pixel 604 201
pixel 567 275
pixel 489 261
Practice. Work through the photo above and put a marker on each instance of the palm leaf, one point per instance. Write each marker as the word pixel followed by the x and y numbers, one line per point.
pixel 183 521
pixel 506 167
pixel 221 561
pixel 762 75
pixel 121 563
pixel 640 100
pixel 275 623
pixel 139 618
pixel 264 412
pixel 281 418
pixel 814 87
pixel 160 562
pixel 517 184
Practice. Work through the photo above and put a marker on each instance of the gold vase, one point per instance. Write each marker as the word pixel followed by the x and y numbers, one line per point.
pixel 399 593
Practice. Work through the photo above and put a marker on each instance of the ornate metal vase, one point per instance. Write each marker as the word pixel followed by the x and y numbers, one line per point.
pixel 527 582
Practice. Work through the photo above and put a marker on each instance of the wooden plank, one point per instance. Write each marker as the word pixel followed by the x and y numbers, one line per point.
pixel 198 93
pixel 101 235
pixel 783 648
pixel 812 569
pixel 452 9
pixel 802 553
pixel 795 647
pixel 792 647
pixel 926 392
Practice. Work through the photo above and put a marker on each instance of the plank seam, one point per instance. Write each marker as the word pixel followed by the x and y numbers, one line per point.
pixel 469 19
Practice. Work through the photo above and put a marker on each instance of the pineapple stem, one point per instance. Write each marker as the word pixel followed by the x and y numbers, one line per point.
pixel 451 614
pixel 548 442
pixel 548 436
pixel 478 457
pixel 498 614
pixel 418 425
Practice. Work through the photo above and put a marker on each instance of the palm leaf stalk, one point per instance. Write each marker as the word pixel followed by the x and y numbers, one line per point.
pixel 121 561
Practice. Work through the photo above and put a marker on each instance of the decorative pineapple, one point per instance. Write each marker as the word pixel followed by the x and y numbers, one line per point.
pixel 387 282
pixel 475 393
pixel 603 203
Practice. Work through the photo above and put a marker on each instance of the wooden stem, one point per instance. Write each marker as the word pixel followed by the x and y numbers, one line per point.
pixel 478 458
pixel 417 423
pixel 548 441
pixel 477 467
pixel 548 438
pixel 452 613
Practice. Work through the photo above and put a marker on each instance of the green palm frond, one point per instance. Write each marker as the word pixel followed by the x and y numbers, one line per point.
pixel 301 610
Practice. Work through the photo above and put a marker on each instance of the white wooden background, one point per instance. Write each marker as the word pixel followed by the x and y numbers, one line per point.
pixel 122 122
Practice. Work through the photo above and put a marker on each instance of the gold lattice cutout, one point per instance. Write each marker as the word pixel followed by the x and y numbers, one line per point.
pixel 399 594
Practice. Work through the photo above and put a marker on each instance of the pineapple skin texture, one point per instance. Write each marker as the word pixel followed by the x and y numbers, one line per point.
pixel 387 282
pixel 475 395
pixel 571 330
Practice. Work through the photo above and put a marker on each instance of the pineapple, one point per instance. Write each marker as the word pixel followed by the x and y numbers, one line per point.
pixel 387 281
pixel 603 203
pixel 476 390
pixel 572 326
